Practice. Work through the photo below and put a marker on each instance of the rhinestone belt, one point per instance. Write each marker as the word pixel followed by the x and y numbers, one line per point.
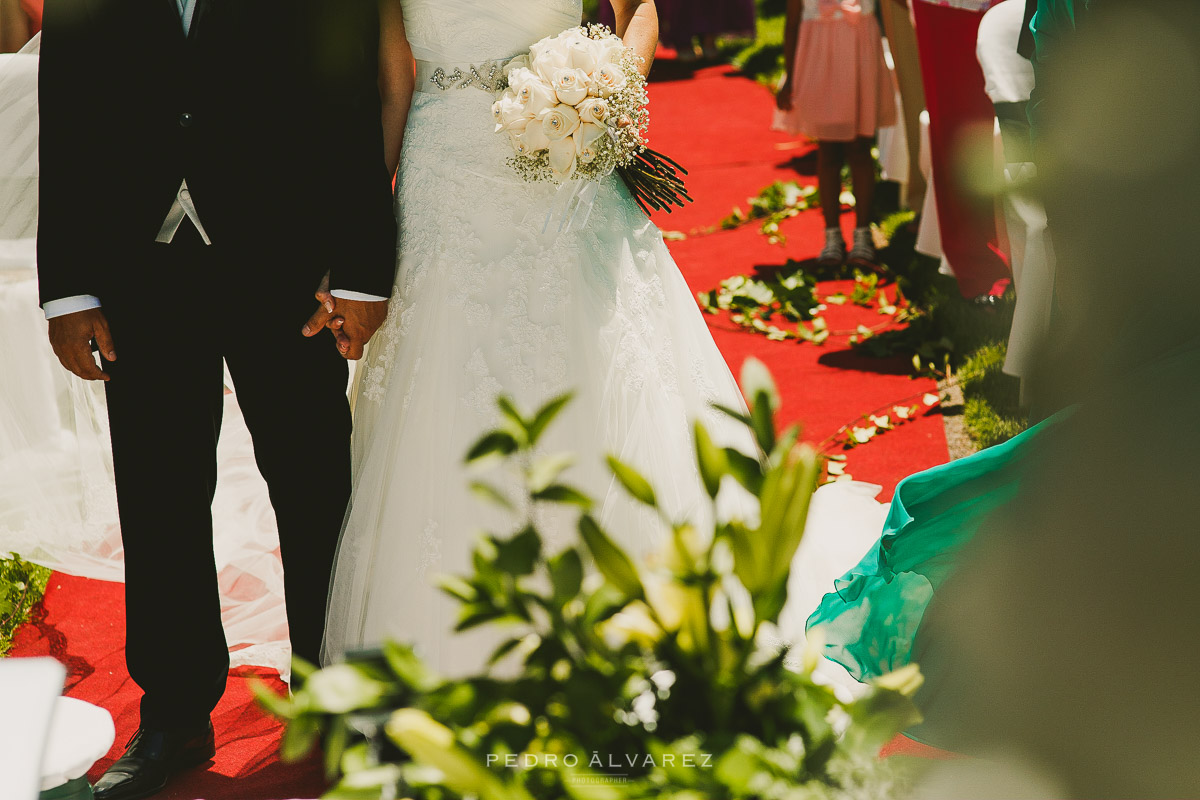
pixel 486 76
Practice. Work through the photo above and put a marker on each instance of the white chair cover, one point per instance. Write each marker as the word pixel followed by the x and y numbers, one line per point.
pixel 1009 79
pixel 29 688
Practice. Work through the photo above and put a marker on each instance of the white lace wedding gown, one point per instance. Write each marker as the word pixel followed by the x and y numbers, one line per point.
pixel 486 304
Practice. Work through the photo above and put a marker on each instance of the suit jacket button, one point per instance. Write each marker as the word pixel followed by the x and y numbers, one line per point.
pixel 185 120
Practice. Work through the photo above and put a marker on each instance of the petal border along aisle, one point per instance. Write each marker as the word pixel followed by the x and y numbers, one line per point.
pixel 731 156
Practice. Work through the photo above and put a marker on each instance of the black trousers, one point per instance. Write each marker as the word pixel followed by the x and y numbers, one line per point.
pixel 189 307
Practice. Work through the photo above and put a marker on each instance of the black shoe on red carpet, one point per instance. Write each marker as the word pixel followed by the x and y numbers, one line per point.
pixel 152 757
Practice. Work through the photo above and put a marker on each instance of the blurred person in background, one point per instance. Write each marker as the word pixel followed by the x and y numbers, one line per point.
pixel 692 27
pixel 961 125
pixel 1056 628
pixel 20 20
pixel 902 41
pixel 838 92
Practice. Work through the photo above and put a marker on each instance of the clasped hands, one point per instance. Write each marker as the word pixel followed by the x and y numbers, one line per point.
pixel 352 322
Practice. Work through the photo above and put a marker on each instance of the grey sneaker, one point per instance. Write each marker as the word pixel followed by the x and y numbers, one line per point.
pixel 863 253
pixel 834 252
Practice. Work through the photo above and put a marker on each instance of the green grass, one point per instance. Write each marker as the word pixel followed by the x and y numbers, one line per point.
pixel 22 586
pixel 992 412
pixel 762 59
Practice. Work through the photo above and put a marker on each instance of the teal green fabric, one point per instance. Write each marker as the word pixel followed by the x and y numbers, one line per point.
pixel 871 622
pixel 1055 21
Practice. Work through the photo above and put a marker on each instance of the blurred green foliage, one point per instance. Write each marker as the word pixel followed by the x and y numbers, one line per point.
pixel 22 586
pixel 620 679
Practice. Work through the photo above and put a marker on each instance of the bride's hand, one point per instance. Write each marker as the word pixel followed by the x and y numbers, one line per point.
pixel 326 314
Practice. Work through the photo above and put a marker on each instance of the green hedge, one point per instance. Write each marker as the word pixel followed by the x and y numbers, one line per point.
pixel 22 586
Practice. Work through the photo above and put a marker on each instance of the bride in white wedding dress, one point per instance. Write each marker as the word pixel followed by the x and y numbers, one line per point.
pixel 486 304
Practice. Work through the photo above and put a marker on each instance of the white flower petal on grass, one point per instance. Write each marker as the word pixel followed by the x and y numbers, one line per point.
pixel 863 435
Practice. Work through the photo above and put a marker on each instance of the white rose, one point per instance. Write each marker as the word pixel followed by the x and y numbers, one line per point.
pixel 559 122
pixel 572 38
pixel 607 50
pixel 584 55
pixel 519 145
pixel 609 80
pixel 535 94
pixel 520 62
pixel 594 110
pixel 535 137
pixel 547 57
pixel 509 113
pixel 562 158
pixel 585 142
pixel 571 86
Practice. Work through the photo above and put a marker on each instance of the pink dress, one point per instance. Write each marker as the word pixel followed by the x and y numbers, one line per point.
pixel 842 88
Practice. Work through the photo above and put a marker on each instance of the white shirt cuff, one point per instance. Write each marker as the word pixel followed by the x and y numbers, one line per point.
pixel 70 305
pixel 346 294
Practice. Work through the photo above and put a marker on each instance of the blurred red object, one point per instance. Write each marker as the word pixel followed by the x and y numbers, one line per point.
pixel 33 10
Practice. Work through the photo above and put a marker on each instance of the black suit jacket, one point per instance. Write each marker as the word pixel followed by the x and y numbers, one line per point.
pixel 269 109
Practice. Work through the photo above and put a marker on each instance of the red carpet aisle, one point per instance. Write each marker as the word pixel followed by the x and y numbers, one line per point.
pixel 716 125
pixel 82 624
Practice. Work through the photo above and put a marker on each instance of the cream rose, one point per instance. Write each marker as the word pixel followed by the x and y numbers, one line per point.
pixel 562 157
pixel 535 94
pixel 520 62
pixel 571 86
pixel 510 114
pixel 547 57
pixel 594 110
pixel 607 50
pixel 559 122
pixel 585 142
pixel 535 137
pixel 609 80
pixel 519 144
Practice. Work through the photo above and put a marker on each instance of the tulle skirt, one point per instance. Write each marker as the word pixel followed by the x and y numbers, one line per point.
pixel 842 88
pixel 489 300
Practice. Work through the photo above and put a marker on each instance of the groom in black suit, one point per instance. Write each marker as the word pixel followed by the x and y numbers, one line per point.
pixel 204 164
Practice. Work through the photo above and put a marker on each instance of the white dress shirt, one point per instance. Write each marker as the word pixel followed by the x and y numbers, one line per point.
pixel 182 209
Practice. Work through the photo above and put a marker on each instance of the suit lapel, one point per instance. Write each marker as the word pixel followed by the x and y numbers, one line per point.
pixel 199 15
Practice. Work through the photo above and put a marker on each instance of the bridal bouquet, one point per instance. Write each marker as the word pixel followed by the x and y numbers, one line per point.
pixel 575 108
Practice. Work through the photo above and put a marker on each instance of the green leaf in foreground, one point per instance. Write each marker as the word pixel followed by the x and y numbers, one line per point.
pixel 633 481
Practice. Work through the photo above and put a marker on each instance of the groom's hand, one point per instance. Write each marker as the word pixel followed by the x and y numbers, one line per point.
pixel 71 337
pixel 352 322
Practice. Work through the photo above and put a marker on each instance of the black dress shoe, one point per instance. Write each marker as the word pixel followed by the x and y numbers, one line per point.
pixel 151 758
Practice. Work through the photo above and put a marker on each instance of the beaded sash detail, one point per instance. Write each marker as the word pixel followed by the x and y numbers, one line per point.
pixel 487 76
